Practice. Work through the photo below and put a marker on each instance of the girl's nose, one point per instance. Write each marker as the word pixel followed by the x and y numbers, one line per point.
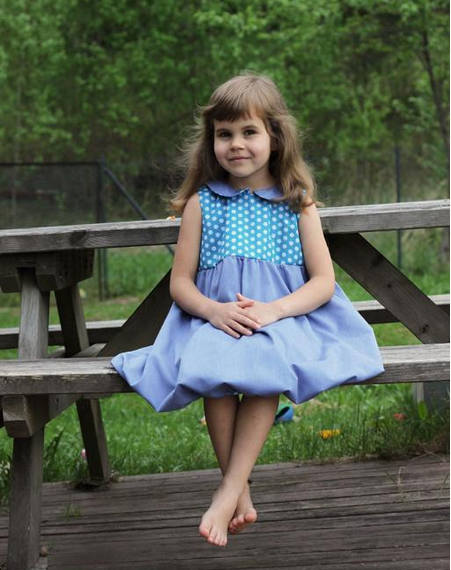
pixel 236 142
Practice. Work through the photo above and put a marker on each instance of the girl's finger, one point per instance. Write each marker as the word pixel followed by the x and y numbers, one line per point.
pixel 242 329
pixel 247 303
pixel 231 332
pixel 243 297
pixel 251 321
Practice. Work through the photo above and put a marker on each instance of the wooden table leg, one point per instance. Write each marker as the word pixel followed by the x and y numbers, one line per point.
pixel 26 472
pixel 142 328
pixel 75 337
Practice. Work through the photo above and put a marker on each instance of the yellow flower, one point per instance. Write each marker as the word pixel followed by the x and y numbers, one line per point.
pixel 328 433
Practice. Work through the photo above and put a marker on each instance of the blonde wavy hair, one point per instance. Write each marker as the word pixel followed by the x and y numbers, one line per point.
pixel 240 97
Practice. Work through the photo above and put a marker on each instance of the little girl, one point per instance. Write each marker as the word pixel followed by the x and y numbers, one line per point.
pixel 256 308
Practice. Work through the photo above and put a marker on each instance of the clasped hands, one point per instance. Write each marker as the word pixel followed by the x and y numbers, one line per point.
pixel 243 316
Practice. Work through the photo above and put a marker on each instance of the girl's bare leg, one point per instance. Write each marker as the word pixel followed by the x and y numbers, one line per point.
pixel 254 420
pixel 221 414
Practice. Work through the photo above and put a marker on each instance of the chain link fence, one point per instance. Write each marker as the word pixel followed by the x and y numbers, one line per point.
pixel 54 194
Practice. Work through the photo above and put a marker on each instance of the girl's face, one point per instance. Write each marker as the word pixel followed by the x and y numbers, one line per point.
pixel 243 148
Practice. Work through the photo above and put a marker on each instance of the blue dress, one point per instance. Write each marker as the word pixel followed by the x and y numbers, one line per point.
pixel 250 244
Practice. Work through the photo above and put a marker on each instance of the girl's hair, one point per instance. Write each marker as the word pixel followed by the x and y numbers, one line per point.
pixel 237 98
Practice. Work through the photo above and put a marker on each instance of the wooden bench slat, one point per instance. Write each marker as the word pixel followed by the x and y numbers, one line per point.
pixel 98 331
pixel 104 331
pixel 342 219
pixel 411 363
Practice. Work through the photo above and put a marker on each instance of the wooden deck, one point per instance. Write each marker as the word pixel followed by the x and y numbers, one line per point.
pixel 384 515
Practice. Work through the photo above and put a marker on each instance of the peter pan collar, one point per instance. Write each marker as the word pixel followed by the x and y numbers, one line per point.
pixel 224 189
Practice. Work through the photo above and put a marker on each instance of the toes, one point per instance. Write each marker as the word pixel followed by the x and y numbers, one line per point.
pixel 213 536
pixel 233 525
pixel 204 530
pixel 217 538
pixel 241 521
pixel 250 517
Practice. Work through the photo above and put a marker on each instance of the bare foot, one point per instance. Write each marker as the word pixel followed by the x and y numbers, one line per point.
pixel 245 514
pixel 215 521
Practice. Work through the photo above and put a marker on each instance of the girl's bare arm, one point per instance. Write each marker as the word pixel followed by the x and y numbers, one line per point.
pixel 186 259
pixel 321 286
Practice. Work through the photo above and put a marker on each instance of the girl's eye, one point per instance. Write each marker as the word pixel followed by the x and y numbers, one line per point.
pixel 249 132
pixel 222 135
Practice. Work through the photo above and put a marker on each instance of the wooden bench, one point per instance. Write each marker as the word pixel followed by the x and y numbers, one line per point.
pixel 35 389
pixel 409 363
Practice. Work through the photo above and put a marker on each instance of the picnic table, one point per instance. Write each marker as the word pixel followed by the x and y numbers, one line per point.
pixel 35 389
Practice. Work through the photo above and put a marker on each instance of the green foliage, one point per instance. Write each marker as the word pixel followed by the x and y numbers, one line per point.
pixel 80 79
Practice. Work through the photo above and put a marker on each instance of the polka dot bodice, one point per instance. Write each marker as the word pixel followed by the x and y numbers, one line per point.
pixel 248 224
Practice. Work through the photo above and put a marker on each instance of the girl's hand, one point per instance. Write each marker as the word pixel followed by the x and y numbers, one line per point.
pixel 265 312
pixel 235 318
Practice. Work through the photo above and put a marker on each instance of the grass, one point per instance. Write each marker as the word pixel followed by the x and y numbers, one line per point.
pixel 382 421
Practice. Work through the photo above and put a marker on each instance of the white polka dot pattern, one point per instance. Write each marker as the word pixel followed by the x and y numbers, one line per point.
pixel 246 225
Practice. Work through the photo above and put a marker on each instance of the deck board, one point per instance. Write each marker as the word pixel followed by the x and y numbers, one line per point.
pixel 390 515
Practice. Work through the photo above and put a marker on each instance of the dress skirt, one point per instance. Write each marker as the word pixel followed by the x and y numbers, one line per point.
pixel 295 356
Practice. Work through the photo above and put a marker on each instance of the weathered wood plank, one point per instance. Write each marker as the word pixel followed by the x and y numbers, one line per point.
pixel 290 474
pixel 438 559
pixel 90 351
pixel 53 269
pixel 25 497
pixel 153 515
pixel 34 319
pixel 391 287
pixel 89 412
pixel 26 415
pixel 94 439
pixel 306 483
pixel 103 331
pixel 72 319
pixel 369 487
pixel 383 217
pixel 343 219
pixel 106 546
pixel 415 363
pixel 350 495
pixel 341 472
pixel 98 332
pixel 25 502
pixel 152 311
pixel 314 533
pixel 344 528
pixel 375 313
pixel 159 522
